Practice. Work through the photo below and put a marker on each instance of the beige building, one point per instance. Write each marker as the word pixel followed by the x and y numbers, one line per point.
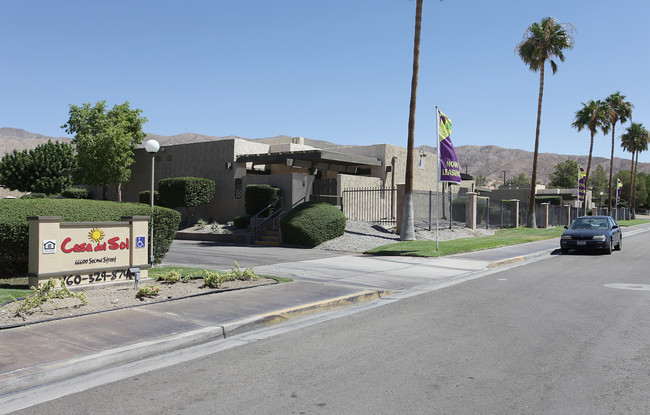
pixel 302 172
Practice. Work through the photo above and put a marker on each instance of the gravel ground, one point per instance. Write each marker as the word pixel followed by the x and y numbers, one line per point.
pixel 112 296
pixel 362 236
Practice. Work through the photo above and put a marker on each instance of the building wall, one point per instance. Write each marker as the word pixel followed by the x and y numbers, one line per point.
pixel 208 160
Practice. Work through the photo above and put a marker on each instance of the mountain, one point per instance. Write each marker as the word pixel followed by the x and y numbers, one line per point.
pixel 489 161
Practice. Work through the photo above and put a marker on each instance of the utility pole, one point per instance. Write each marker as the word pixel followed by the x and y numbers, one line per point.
pixel 504 176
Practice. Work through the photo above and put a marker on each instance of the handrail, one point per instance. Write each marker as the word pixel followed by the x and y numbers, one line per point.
pixel 274 216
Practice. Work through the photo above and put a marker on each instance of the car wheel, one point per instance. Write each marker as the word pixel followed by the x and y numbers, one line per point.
pixel 619 245
pixel 609 248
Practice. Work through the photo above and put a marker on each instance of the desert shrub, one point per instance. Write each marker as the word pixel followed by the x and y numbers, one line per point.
pixel 312 223
pixel 75 193
pixel 47 292
pixel 185 191
pixel 214 279
pixel 148 291
pixel 242 222
pixel 14 227
pixel 143 197
pixel 172 277
pixel 258 196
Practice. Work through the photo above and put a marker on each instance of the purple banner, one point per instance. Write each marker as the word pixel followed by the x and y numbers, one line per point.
pixel 449 168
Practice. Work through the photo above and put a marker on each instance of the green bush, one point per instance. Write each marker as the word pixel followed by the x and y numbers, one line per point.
pixel 14 227
pixel 143 197
pixel 242 222
pixel 75 193
pixel 258 196
pixel 185 191
pixel 312 223
pixel 34 196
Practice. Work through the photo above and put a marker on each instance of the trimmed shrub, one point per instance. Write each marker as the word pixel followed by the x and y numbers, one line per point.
pixel 143 197
pixel 14 227
pixel 75 193
pixel 34 196
pixel 185 191
pixel 242 222
pixel 312 223
pixel 258 196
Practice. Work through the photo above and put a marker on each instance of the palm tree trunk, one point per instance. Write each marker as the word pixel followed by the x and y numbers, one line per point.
pixel 408 227
pixel 532 220
pixel 636 167
pixel 591 149
pixel 611 172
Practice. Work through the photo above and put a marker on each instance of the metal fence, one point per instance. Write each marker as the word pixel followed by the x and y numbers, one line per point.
pixel 370 204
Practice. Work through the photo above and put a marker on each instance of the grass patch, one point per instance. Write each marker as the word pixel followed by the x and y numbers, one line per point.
pixel 502 237
pixel 631 222
pixel 156 272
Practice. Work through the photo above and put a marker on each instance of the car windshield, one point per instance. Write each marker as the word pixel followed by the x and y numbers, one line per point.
pixel 589 223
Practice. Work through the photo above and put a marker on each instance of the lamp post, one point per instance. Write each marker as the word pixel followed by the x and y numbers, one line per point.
pixel 152 148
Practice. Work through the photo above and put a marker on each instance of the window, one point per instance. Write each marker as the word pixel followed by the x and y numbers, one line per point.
pixel 239 193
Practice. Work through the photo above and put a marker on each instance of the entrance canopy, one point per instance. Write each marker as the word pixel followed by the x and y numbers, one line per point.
pixel 313 159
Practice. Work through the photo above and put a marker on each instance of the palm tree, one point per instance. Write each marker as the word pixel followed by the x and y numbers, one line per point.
pixel 635 140
pixel 592 115
pixel 617 110
pixel 408 226
pixel 542 42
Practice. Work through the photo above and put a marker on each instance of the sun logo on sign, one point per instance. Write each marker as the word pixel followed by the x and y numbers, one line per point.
pixel 96 234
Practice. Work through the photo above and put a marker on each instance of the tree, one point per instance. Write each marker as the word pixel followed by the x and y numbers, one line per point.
pixel 592 115
pixel 617 110
pixel 408 226
pixel 598 181
pixel 565 175
pixel 542 42
pixel 519 180
pixel 44 169
pixel 105 141
pixel 635 140
pixel 480 180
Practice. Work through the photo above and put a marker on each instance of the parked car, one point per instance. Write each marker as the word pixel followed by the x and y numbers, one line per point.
pixel 592 232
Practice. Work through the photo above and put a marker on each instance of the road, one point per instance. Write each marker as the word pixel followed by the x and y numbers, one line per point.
pixel 565 335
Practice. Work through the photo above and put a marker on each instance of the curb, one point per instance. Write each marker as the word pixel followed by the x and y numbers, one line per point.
pixel 522 258
pixel 38 375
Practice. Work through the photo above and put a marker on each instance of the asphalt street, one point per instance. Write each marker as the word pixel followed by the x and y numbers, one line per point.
pixel 563 335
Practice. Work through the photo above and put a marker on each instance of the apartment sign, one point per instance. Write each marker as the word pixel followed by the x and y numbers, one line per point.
pixel 86 252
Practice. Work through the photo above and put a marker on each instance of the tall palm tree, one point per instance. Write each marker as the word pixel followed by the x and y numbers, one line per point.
pixel 617 110
pixel 408 226
pixel 542 42
pixel 635 140
pixel 592 116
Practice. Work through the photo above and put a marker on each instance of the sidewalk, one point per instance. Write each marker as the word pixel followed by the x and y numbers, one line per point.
pixel 47 352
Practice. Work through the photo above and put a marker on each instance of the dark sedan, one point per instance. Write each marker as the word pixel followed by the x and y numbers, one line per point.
pixel 592 233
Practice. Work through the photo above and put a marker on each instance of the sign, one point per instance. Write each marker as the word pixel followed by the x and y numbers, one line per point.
pixel 87 252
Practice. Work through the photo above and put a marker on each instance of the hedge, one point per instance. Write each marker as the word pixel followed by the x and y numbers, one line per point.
pixel 555 200
pixel 312 223
pixel 258 196
pixel 75 193
pixel 143 197
pixel 14 227
pixel 185 191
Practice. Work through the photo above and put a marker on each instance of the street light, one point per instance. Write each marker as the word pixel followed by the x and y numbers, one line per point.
pixel 152 148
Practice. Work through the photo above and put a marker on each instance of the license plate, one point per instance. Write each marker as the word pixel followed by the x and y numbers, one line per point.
pixel 582 243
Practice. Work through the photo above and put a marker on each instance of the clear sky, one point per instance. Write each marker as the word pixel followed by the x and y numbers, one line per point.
pixel 336 70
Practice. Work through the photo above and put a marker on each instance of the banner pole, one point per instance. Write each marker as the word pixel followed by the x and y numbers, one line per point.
pixel 438 174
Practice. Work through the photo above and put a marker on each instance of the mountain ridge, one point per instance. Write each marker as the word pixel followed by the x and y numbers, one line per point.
pixel 489 160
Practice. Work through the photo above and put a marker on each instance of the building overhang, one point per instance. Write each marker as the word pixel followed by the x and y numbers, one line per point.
pixel 312 159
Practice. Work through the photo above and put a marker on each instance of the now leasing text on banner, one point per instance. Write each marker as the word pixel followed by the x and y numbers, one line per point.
pixel 449 168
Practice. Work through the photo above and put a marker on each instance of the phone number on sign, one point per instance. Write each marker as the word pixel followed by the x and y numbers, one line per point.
pixel 94 277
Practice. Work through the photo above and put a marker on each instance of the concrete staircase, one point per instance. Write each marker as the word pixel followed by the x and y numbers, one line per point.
pixel 270 237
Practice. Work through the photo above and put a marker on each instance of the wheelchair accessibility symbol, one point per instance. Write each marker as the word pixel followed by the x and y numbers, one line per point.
pixel 140 242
